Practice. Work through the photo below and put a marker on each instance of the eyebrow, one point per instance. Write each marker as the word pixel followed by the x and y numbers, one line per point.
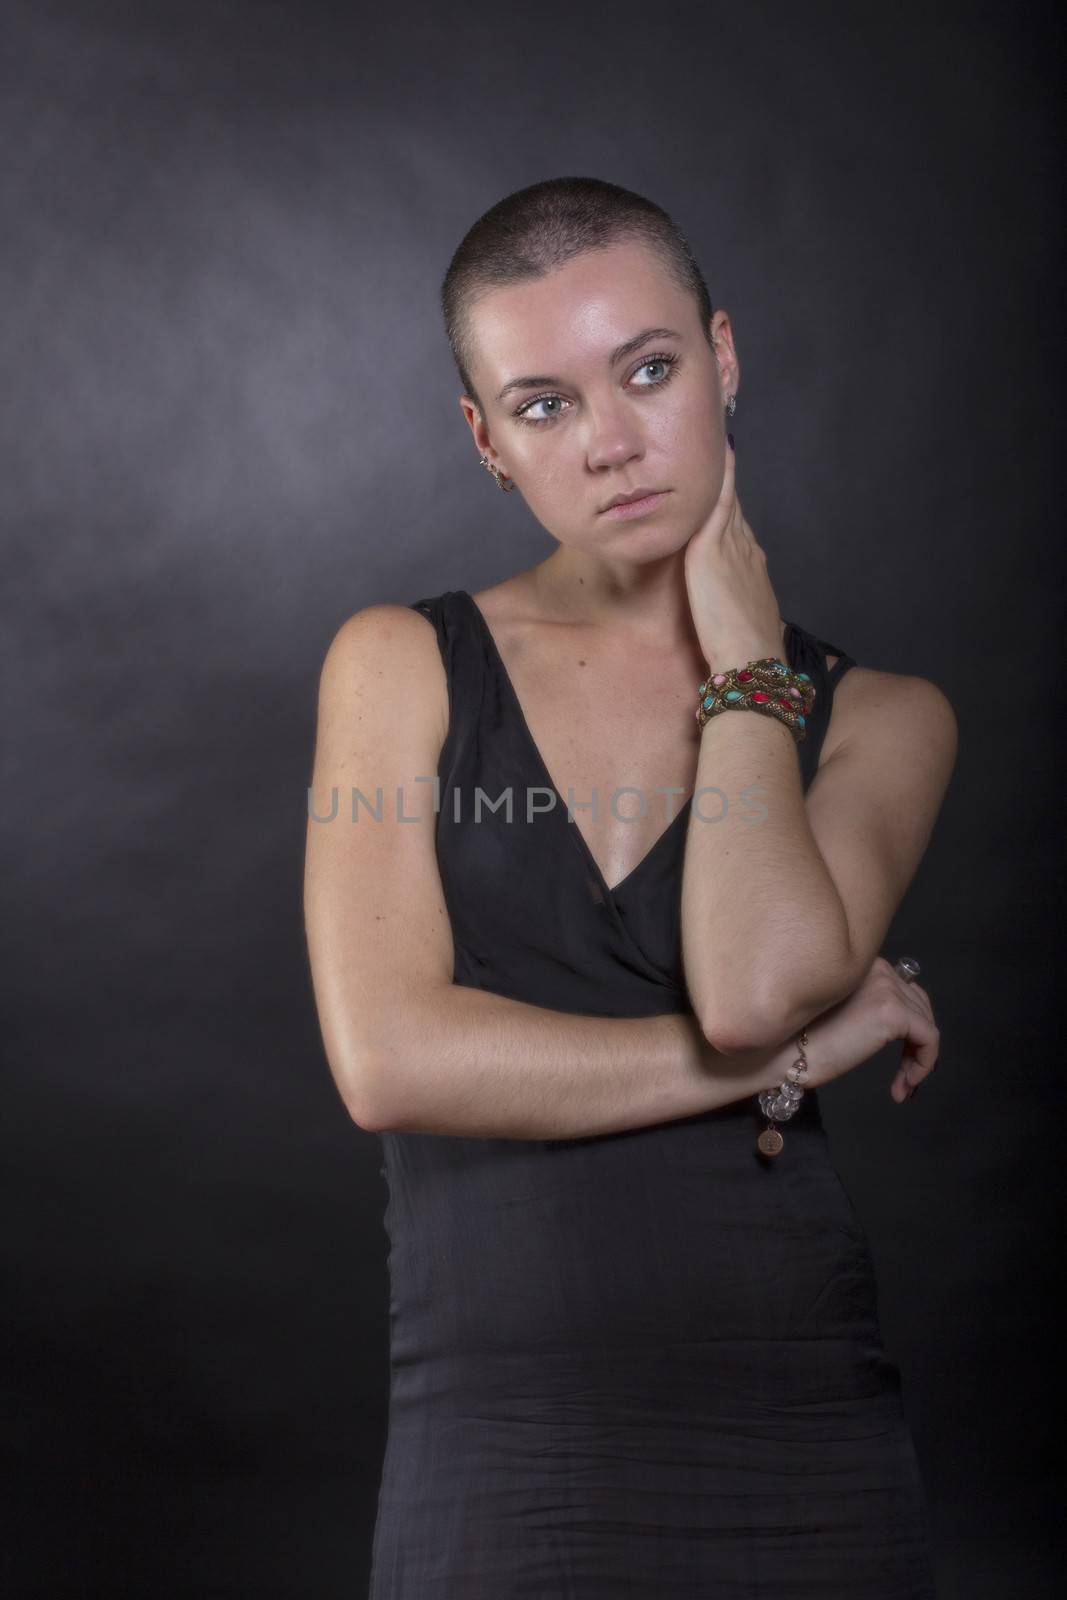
pixel 617 355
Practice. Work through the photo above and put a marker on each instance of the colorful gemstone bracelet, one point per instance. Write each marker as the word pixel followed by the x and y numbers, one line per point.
pixel 767 685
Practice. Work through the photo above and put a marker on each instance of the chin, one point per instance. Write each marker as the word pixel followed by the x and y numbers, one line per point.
pixel 646 545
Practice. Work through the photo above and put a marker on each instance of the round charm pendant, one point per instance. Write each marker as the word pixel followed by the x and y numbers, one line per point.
pixel 770 1141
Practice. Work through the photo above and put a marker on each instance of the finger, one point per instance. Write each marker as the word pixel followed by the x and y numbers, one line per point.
pixel 747 534
pixel 737 529
pixel 729 476
pixel 915 996
pixel 922 1043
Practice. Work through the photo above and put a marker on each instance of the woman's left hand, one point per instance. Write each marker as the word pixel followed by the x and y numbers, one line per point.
pixel 734 607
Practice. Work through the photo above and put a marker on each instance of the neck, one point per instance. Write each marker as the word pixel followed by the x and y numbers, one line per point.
pixel 649 600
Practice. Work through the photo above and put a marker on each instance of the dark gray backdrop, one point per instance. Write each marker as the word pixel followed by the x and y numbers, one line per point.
pixel 229 421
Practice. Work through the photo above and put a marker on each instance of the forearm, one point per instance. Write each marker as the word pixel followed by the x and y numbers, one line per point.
pixel 468 1062
pixel 764 932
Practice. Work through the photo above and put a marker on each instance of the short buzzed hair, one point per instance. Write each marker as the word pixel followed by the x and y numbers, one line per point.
pixel 528 233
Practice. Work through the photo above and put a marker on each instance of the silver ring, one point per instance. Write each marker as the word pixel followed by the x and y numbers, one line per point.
pixel 907 968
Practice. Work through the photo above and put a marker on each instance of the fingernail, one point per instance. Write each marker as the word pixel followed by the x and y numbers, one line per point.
pixel 730 441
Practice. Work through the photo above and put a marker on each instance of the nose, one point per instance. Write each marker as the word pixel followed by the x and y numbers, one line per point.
pixel 614 436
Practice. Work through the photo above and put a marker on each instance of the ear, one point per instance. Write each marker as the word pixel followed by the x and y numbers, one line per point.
pixel 722 339
pixel 476 423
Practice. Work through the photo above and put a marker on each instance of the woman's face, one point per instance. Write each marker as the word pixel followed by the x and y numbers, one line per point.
pixel 574 427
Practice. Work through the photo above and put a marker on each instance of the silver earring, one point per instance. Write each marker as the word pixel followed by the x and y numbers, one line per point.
pixel 497 474
pixel 731 405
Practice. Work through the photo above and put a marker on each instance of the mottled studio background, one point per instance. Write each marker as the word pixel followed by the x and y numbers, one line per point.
pixel 229 420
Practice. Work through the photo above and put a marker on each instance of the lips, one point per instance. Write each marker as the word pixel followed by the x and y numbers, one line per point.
pixel 625 499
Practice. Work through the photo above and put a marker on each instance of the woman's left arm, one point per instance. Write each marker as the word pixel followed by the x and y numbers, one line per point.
pixel 783 912
pixel 787 898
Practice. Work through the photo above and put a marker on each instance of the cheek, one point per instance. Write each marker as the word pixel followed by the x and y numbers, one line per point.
pixel 687 428
pixel 552 486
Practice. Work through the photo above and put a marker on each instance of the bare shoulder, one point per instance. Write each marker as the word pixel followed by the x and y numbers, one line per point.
pixel 895 709
pixel 386 655
pixel 398 630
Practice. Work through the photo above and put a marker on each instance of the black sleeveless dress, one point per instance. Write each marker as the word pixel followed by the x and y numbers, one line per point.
pixel 646 1363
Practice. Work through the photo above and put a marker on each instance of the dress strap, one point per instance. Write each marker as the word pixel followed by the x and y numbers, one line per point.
pixel 463 670
pixel 808 653
pixel 825 648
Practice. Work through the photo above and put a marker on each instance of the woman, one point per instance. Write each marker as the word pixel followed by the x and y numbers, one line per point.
pixel 633 1352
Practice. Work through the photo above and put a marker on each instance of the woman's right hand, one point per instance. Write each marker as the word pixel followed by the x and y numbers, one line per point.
pixel 884 1007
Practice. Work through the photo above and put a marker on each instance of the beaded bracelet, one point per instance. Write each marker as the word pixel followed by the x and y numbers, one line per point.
pixel 778 1105
pixel 766 685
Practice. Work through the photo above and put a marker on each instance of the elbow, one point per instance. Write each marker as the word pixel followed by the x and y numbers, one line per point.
pixel 386 1068
pixel 737 1035
pixel 762 1023
pixel 738 1030
pixel 361 1091
pixel 769 1022
pixel 366 1117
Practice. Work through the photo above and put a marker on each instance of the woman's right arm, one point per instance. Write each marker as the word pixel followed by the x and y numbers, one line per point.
pixel 408 1048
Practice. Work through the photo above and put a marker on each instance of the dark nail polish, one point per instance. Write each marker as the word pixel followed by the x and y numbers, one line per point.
pixel 730 441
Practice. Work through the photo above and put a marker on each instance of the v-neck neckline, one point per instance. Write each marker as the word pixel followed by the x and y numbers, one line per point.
pixel 611 891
